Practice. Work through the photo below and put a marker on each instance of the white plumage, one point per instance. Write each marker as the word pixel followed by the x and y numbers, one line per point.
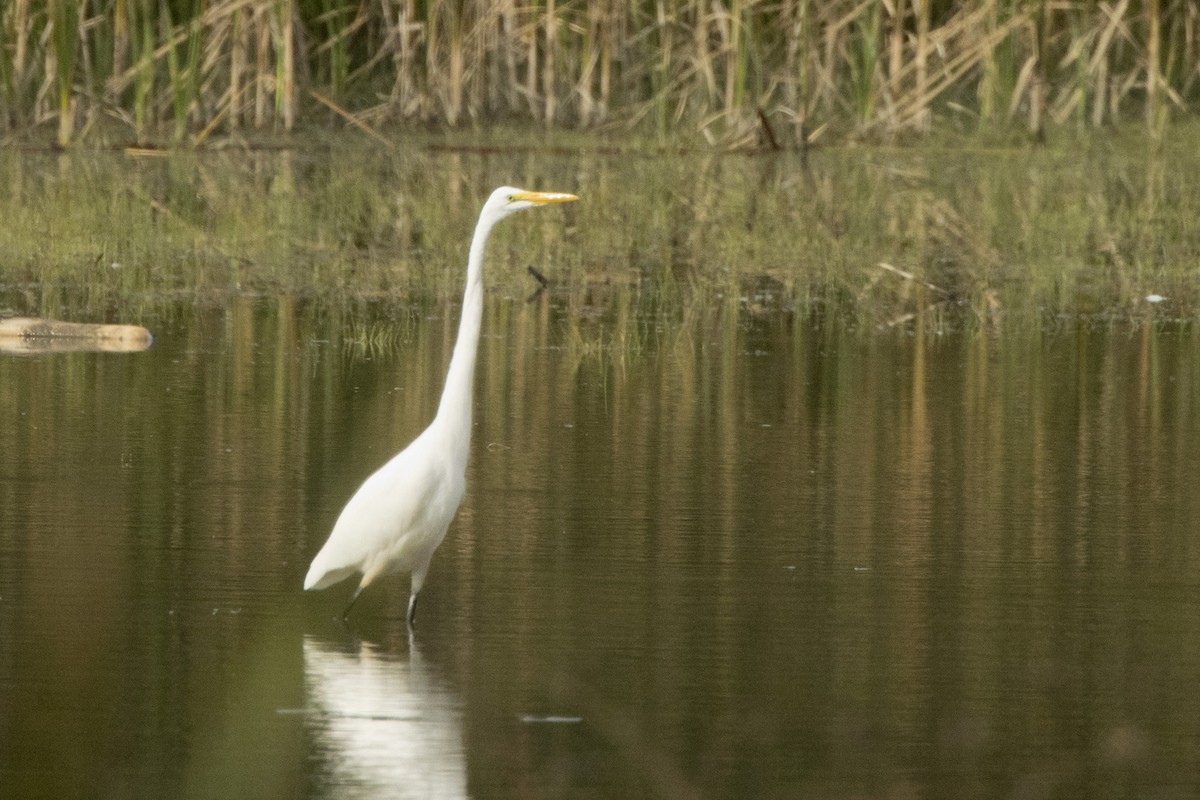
pixel 399 516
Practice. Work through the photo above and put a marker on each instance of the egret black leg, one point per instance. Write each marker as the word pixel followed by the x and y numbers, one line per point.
pixel 412 609
pixel 350 605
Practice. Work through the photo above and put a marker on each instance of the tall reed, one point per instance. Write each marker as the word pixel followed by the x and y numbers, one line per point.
pixel 186 68
pixel 64 33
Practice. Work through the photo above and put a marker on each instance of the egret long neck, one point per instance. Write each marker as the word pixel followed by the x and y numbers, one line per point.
pixel 454 411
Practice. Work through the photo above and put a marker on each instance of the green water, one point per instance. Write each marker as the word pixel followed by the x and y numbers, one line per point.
pixel 761 559
pixel 733 528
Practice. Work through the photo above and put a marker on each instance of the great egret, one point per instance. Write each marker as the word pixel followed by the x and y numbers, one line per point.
pixel 399 516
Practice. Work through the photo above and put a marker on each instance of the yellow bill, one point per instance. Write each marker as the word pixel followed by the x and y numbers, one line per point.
pixel 543 198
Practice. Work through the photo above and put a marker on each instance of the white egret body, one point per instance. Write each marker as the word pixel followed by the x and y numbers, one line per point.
pixel 399 516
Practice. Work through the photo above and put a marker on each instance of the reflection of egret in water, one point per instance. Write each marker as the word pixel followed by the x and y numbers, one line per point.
pixel 384 726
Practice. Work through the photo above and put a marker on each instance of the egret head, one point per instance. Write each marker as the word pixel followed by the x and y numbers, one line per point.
pixel 507 200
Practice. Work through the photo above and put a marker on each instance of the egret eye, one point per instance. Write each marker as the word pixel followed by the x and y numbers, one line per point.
pixel 512 198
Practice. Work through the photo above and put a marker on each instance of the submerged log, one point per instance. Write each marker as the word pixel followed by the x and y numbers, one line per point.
pixel 32 334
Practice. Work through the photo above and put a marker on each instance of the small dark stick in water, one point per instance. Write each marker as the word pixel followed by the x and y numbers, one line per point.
pixel 542 284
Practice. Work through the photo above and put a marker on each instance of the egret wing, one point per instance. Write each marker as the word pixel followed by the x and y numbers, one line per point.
pixel 386 510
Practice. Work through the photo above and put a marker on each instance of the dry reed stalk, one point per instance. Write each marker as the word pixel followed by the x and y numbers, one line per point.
pixel 660 77
pixel 1099 91
pixel 610 35
pixel 403 38
pixel 63 30
pixel 481 43
pixel 262 75
pixel 796 67
pixel 590 57
pixel 965 41
pixel 702 55
pixel 896 14
pixel 1191 45
pixel 531 70
pixel 835 35
pixel 353 119
pixel 745 102
pixel 989 85
pixel 214 101
pixel 1155 112
pixel 1043 33
pixel 1072 96
pixel 922 120
pixel 507 25
pixel 454 81
pixel 120 45
pixel 237 64
pixel 20 28
pixel 731 30
pixel 548 63
pixel 1023 85
pixel 864 63
pixel 1098 66
pixel 288 66
pixel 18 32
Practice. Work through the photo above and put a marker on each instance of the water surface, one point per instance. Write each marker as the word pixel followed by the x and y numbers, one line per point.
pixel 746 555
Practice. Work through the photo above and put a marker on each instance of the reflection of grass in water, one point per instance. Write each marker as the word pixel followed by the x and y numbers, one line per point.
pixel 969 235
pixel 367 337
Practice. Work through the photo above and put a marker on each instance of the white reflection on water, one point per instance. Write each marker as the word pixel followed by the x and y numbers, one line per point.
pixel 385 726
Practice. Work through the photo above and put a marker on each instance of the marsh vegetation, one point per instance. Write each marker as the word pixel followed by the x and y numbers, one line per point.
pixel 842 471
pixel 770 72
pixel 874 237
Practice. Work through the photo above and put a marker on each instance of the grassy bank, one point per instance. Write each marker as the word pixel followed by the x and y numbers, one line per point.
pixel 880 237
pixel 738 72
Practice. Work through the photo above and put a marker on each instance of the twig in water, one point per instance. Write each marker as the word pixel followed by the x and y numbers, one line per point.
pixel 543 283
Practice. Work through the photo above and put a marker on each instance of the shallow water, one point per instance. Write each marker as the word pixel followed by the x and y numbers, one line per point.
pixel 760 556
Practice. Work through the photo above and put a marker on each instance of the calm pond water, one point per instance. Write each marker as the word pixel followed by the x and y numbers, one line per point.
pixel 749 556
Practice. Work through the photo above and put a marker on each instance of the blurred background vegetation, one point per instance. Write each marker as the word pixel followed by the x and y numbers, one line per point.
pixel 891 237
pixel 735 73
